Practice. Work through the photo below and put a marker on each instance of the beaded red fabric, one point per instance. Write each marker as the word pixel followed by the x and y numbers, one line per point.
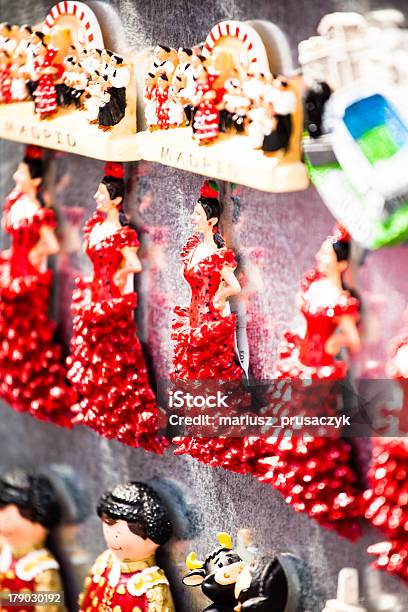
pixel 32 377
pixel 387 498
pixel 106 364
pixel 313 474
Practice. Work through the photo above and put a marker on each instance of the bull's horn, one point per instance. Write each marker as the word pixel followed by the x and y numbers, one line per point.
pixel 193 563
pixel 224 539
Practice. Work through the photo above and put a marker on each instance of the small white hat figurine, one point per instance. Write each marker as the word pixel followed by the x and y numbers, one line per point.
pixel 347 593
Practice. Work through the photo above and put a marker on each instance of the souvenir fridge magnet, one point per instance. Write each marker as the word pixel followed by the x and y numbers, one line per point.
pixel 29 514
pixel 268 584
pixel 106 364
pixel 216 574
pixel 204 332
pixel 209 270
pixel 313 471
pixel 220 111
pixel 32 376
pixel 250 582
pixel 60 88
pixel 125 577
pixel 358 125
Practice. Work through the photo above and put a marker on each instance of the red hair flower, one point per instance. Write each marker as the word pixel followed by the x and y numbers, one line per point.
pixel 115 170
pixel 33 152
pixel 209 190
pixel 340 234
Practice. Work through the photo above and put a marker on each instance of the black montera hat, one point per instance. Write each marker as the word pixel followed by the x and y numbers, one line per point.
pixel 136 502
pixel 34 496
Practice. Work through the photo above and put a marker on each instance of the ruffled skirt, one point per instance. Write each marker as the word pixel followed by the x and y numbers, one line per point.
pixel 32 378
pixel 386 504
pixel 108 369
pixel 205 354
pixel 45 96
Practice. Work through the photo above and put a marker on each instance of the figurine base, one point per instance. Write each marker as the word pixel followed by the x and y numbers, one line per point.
pixel 229 158
pixel 67 131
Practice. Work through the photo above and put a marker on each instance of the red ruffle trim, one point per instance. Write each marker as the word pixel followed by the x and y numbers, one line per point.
pixel 386 503
pixel 239 455
pixel 391 556
pixel 32 378
pixel 43 217
pixel 314 476
pixel 206 351
pixel 125 237
pixel 218 259
pixel 346 303
pixel 289 366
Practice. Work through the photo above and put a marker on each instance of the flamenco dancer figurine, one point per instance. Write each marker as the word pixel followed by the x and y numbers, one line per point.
pixel 386 499
pixel 5 76
pixel 32 378
pixel 207 324
pixel 46 73
pixel 331 314
pixel 321 480
pixel 241 582
pixel 29 512
pixel 106 364
pixel 125 577
pixel 204 332
pixel 207 102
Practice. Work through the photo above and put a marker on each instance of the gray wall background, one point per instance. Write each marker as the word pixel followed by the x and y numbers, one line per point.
pixel 276 237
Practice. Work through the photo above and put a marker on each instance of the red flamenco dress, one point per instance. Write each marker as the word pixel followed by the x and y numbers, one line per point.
pixel 312 472
pixel 32 378
pixel 163 108
pixel 204 346
pixel 45 94
pixel 5 83
pixel 106 364
pixel 207 116
pixel 387 498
